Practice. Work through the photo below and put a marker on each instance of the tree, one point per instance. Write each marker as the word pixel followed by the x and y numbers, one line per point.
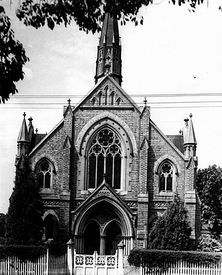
pixel 2 227
pixel 209 188
pixel 172 230
pixel 12 58
pixel 87 14
pixel 24 223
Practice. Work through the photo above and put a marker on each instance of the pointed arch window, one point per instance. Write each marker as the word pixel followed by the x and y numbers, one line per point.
pixel 44 173
pixel 105 158
pixel 166 177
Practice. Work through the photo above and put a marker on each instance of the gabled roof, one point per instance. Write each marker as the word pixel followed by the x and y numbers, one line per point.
pixel 167 140
pixel 46 137
pixel 107 79
pixel 104 190
pixel 177 140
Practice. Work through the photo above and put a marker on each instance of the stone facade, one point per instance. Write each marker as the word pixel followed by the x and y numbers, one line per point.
pixel 108 171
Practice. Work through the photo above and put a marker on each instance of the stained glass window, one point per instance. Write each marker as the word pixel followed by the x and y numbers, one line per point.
pixel 105 158
pixel 166 178
pixel 44 174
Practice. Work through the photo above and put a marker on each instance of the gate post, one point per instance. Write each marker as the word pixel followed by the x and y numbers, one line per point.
pixel 120 255
pixel 69 257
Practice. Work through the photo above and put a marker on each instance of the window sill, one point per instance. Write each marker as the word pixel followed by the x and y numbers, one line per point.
pixel 90 190
pixel 46 190
pixel 166 194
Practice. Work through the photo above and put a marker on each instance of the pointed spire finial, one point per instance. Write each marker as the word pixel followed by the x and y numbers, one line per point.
pixel 109 50
pixel 69 100
pixel 23 136
pixel 186 121
pixel 189 137
pixel 145 101
pixel 30 119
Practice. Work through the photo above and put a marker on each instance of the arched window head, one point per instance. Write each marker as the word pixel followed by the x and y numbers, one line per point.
pixel 44 173
pixel 51 227
pixel 104 159
pixel 166 177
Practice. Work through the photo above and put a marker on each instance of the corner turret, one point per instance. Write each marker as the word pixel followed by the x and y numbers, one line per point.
pixel 190 142
pixel 23 139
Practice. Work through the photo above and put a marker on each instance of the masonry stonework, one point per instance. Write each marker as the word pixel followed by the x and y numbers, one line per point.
pixel 106 170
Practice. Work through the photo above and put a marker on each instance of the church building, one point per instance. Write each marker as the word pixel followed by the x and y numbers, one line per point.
pixel 106 171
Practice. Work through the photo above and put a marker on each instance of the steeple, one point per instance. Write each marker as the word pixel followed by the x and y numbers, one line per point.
pixel 23 139
pixel 109 51
pixel 190 141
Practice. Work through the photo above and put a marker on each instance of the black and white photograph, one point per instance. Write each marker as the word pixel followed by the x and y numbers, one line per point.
pixel 110 137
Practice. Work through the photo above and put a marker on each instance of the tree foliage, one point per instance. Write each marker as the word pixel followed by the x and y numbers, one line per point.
pixel 12 58
pixel 209 188
pixel 24 223
pixel 88 14
pixel 2 227
pixel 172 230
pixel 208 244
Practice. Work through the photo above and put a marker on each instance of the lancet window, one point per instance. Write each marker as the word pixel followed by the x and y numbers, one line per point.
pixel 104 159
pixel 44 173
pixel 166 177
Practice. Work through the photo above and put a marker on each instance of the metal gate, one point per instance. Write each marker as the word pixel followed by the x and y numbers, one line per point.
pixel 94 264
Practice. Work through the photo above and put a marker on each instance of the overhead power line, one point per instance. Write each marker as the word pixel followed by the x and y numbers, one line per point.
pixel 138 102
pixel 76 95
pixel 153 107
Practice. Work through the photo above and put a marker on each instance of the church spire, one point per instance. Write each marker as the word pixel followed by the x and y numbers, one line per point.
pixel 23 139
pixel 109 51
pixel 23 134
pixel 190 141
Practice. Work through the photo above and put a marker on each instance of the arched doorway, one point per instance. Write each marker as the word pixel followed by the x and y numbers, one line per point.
pixel 101 225
pixel 91 238
pixel 113 238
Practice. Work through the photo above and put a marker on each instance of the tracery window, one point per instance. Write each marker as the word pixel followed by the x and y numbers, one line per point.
pixel 166 173
pixel 44 174
pixel 105 158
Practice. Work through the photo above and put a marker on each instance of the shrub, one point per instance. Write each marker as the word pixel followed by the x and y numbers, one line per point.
pixel 160 258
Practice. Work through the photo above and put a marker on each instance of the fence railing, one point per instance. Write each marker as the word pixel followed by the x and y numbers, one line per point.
pixel 13 265
pixel 70 262
pixel 182 267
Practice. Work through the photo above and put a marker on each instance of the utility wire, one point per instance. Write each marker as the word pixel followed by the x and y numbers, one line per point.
pixel 153 107
pixel 138 102
pixel 76 95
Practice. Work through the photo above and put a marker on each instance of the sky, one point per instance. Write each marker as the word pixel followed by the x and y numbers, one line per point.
pixel 175 51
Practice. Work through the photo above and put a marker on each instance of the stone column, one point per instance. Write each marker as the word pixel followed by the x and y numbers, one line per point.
pixel 120 254
pixel 142 222
pixel 102 246
pixel 70 256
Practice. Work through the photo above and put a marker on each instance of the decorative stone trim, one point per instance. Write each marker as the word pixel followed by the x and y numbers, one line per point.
pixel 98 119
pixel 165 158
pixel 47 156
pixel 50 212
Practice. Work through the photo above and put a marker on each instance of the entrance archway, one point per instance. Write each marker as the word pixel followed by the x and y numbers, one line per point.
pixel 100 225
pixel 91 238
pixel 113 237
